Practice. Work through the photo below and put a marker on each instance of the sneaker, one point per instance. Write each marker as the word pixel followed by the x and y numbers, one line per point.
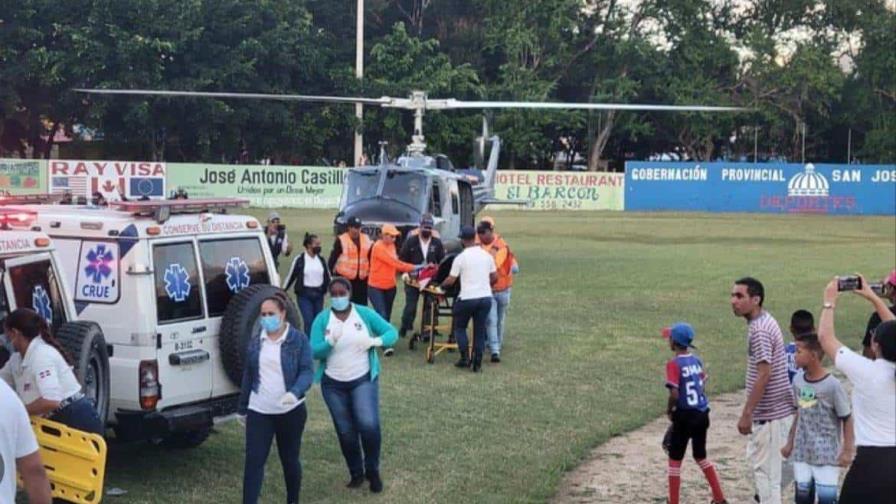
pixel 356 481
pixel 496 358
pixel 389 352
pixel 376 484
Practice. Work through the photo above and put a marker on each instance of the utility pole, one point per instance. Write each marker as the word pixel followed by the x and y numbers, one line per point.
pixel 359 74
pixel 804 142
pixel 849 147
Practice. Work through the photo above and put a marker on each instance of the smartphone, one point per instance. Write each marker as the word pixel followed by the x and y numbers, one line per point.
pixel 849 283
pixel 877 288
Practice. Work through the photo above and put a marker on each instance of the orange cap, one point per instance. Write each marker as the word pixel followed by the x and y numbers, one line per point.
pixel 389 229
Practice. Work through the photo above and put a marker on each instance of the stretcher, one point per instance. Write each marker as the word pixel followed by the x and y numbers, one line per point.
pixel 75 461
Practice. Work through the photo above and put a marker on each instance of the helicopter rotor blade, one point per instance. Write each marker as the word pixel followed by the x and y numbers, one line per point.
pixel 384 101
pixel 457 104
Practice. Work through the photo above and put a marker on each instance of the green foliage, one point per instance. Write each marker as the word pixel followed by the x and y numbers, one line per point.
pixel 828 64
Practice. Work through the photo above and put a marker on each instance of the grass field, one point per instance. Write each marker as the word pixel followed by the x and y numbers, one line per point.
pixel 583 358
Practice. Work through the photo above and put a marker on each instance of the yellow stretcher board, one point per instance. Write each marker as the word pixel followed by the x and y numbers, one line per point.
pixel 75 461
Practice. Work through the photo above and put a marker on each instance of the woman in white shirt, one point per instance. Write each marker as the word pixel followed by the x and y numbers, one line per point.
pixel 41 374
pixel 311 276
pixel 344 339
pixel 870 479
pixel 278 371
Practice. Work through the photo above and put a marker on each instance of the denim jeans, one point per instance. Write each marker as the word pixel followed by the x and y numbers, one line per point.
pixel 496 318
pixel 311 302
pixel 412 296
pixel 382 301
pixel 80 415
pixel 355 408
pixel 260 431
pixel 476 309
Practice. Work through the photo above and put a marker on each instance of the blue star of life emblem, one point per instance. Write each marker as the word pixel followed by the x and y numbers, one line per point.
pixel 177 283
pixel 40 301
pixel 99 263
pixel 237 273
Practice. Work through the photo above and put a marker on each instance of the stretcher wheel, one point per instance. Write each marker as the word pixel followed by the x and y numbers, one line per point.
pixel 430 358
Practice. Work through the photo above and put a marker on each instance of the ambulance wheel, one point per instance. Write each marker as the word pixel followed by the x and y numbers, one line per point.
pixel 241 320
pixel 188 439
pixel 86 346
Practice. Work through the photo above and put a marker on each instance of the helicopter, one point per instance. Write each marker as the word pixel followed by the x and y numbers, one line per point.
pixel 401 191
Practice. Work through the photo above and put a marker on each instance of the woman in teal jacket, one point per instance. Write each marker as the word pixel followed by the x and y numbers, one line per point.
pixel 344 339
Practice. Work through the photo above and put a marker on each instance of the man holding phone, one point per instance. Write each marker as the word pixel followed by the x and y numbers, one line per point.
pixel 888 291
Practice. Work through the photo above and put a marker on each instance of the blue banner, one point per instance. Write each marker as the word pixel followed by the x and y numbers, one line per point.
pixel 762 187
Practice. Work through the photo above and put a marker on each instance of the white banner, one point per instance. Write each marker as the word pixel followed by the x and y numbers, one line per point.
pixel 113 179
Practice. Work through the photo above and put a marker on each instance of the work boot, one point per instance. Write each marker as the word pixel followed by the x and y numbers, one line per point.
pixel 376 484
pixel 356 482
pixel 477 364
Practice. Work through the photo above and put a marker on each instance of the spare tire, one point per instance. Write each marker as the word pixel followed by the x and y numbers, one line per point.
pixel 241 321
pixel 86 346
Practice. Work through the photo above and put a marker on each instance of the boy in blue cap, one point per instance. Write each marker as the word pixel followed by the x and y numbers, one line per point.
pixel 688 409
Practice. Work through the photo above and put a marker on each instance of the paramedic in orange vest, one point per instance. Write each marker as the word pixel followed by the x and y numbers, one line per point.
pixel 498 249
pixel 350 259
pixel 384 265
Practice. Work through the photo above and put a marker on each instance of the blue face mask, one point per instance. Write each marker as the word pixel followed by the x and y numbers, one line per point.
pixel 271 323
pixel 339 303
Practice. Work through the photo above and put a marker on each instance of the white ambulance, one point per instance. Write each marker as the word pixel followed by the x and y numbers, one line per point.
pixel 30 278
pixel 176 287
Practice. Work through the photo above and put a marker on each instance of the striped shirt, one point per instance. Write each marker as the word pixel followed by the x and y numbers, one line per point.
pixel 765 343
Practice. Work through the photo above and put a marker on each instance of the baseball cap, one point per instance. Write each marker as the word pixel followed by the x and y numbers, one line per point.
pixel 467 233
pixel 427 221
pixel 681 333
pixel 389 229
pixel 354 222
pixel 273 216
pixel 891 278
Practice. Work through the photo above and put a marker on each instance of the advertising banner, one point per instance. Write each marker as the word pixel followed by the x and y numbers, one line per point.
pixel 761 187
pixel 562 190
pixel 265 186
pixel 112 179
pixel 22 176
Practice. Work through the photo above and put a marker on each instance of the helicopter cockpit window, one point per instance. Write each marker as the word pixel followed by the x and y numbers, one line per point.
pixel 360 185
pixel 409 187
pixel 435 202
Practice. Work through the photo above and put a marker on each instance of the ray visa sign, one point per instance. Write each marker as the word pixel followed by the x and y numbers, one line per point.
pixel 764 187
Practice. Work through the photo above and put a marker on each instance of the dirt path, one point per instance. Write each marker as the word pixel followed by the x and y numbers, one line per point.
pixel 632 467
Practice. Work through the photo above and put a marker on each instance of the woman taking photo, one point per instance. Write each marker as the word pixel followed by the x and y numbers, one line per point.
pixel 344 339
pixel 311 275
pixel 41 373
pixel 870 477
pixel 277 373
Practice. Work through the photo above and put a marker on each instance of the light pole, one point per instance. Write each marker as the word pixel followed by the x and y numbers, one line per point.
pixel 359 74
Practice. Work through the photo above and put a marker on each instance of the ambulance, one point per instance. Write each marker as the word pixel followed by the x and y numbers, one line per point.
pixel 176 287
pixel 31 277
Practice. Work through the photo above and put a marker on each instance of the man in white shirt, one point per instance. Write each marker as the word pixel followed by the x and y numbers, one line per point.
pixel 477 273
pixel 18 451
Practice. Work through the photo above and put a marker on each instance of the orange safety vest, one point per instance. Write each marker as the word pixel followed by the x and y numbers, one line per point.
pixel 354 263
pixel 504 262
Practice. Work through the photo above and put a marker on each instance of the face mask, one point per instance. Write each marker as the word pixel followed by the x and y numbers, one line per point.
pixel 339 303
pixel 425 233
pixel 316 250
pixel 271 323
